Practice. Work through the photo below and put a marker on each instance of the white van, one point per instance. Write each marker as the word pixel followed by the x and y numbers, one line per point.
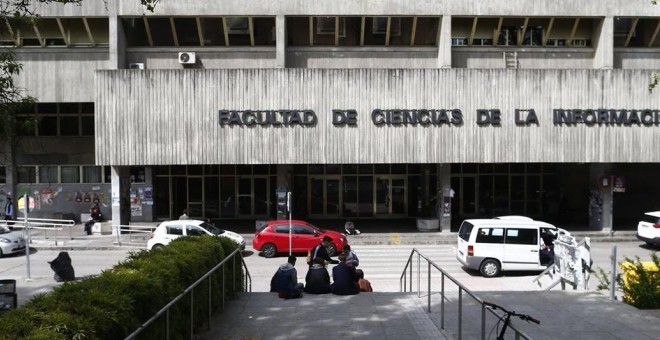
pixel 503 243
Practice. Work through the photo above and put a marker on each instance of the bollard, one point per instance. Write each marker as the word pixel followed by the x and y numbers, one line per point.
pixel 613 274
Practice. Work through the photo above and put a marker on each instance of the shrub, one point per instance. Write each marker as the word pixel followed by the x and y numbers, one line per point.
pixel 640 282
pixel 115 303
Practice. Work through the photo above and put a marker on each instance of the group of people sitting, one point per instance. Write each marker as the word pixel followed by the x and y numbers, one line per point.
pixel 347 280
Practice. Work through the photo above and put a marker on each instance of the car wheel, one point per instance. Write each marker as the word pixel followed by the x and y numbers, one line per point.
pixel 490 268
pixel 269 250
pixel 158 246
pixel 332 250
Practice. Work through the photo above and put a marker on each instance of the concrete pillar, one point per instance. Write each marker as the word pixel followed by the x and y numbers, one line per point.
pixel 121 201
pixel 280 41
pixel 444 42
pixel 600 199
pixel 117 43
pixel 603 42
pixel 444 197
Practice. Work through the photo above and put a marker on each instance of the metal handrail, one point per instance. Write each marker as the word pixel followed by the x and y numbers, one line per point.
pixel 120 229
pixel 166 309
pixel 44 224
pixel 403 287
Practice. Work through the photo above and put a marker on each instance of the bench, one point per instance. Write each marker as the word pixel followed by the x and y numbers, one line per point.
pixel 102 228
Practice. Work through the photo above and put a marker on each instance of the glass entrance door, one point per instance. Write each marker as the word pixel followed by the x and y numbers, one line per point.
pixel 195 197
pixel 390 196
pixel 253 196
pixel 324 197
pixel 467 197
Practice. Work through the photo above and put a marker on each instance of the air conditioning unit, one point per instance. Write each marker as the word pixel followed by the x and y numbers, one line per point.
pixel 136 66
pixel 187 58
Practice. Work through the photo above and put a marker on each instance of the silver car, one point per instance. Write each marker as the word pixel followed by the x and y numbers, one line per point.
pixel 11 241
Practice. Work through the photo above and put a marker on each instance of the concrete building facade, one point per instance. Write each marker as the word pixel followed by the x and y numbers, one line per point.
pixel 362 110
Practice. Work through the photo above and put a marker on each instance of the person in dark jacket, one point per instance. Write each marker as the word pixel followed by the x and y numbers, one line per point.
pixel 345 278
pixel 317 280
pixel 320 250
pixel 285 281
pixel 95 216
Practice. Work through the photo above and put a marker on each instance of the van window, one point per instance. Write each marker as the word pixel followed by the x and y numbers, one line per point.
pixel 490 235
pixel 521 236
pixel 466 229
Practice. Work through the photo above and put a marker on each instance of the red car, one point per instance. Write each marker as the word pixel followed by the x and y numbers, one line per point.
pixel 273 237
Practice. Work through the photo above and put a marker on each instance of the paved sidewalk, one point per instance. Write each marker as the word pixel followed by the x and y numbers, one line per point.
pixel 364 316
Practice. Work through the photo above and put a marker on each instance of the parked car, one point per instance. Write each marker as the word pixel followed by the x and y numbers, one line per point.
pixel 502 244
pixel 648 229
pixel 272 237
pixel 11 241
pixel 170 230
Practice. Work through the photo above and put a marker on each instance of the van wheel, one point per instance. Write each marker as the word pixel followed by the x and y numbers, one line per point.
pixel 490 268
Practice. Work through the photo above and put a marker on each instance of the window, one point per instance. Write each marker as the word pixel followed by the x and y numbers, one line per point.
pixel 175 229
pixel 48 174
pixel 3 174
pixel 482 42
pixel 281 229
pixel 556 42
pixel 301 230
pixel 70 174
pixel 522 236
pixel 138 174
pixel 237 25
pixel 326 25
pixel 581 42
pixel 92 174
pixel 459 41
pixel 490 235
pixel 192 230
pixel 27 174
pixel 380 26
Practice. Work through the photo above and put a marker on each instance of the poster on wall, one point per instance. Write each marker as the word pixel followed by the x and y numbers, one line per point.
pixel 136 207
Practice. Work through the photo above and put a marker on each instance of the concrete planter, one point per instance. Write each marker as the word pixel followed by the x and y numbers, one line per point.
pixel 427 224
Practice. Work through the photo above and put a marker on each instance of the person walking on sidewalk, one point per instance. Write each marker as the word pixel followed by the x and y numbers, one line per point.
pixel 9 212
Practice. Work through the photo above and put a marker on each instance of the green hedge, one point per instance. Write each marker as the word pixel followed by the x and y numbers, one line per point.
pixel 115 303
pixel 640 281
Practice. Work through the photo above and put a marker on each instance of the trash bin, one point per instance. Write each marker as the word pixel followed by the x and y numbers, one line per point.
pixel 8 298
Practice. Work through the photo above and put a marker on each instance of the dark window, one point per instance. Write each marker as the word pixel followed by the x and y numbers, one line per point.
pixel 27 174
pixel 466 229
pixel 3 174
pixel 138 174
pixel 107 172
pixel 522 236
pixel 490 235
pixel 48 174
pixel 175 229
pixel 87 125
pixel 69 126
pixel 281 229
pixel 48 126
pixel 651 219
pixel 298 229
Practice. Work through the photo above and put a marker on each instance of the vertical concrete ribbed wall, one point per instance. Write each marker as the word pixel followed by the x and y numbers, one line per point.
pixel 171 116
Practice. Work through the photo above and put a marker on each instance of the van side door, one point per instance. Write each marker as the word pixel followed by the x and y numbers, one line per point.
pixel 521 249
